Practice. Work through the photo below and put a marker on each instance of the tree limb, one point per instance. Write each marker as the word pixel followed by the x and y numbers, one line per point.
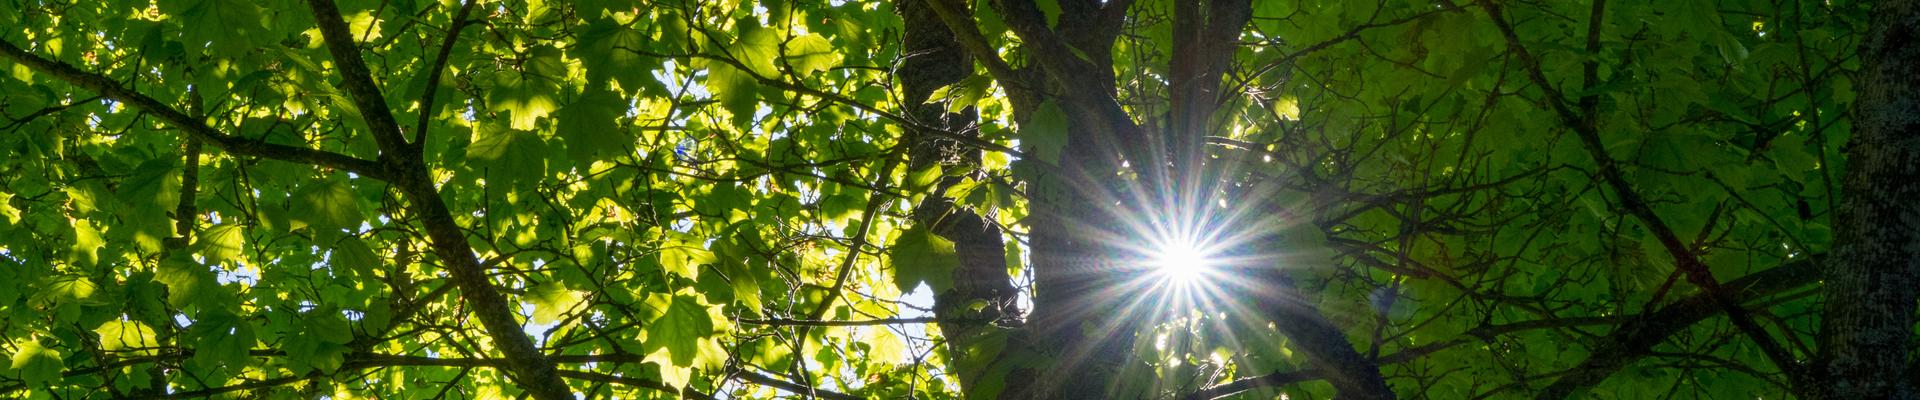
pixel 411 176
pixel 1639 335
pixel 460 23
pixel 1585 124
pixel 1630 342
pixel 356 78
pixel 815 322
pixel 110 89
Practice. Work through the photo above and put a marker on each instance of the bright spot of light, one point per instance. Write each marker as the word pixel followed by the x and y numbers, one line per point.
pixel 1181 262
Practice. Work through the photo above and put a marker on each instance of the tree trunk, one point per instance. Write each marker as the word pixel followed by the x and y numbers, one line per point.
pixel 934 60
pixel 1868 325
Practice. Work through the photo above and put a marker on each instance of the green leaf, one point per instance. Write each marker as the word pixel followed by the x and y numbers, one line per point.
pixel 154 185
pixel 356 256
pixel 328 325
pixel 131 335
pixel 746 290
pixel 306 353
pixel 377 317
pixel 723 200
pixel 681 255
pixel 491 142
pixel 7 212
pixel 67 289
pixel 920 256
pixel 1049 9
pixel 226 26
pixel 923 179
pixel 887 347
pixel 36 364
pixel 544 63
pixel 551 301
pixel 223 339
pixel 609 50
pixel 363 24
pixel 319 341
pixel 329 205
pixel 675 376
pixel 590 9
pixel 1015 263
pixel 811 53
pixel 1044 135
pixel 758 48
pixel 985 371
pixel 590 128
pixel 187 281
pixel 681 331
pixel 1287 108
pixel 222 243
pixel 842 204
pixel 737 90
pixel 87 242
pixel 523 96
pixel 965 94
pixel 511 155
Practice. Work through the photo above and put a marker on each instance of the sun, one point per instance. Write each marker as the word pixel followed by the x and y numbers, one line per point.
pixel 1181 262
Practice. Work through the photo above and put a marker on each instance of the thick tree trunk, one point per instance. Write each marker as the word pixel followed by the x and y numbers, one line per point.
pixel 1867 329
pixel 1078 206
pixel 1074 319
pixel 934 60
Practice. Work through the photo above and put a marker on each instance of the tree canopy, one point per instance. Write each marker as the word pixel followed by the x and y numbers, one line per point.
pixel 1028 199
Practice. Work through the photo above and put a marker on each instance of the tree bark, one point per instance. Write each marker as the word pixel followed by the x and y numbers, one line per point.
pixel 935 59
pixel 1867 329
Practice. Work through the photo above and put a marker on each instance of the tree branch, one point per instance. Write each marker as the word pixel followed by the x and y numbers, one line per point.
pixel 791 387
pixel 687 393
pixel 1639 335
pixel 1585 124
pixel 1245 384
pixel 410 174
pixel 1628 343
pixel 969 36
pixel 876 203
pixel 356 78
pixel 460 23
pixel 1205 34
pixel 1325 345
pixel 110 89
pixel 815 322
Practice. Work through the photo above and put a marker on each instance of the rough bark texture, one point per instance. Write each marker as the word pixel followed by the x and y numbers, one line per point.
pixel 935 59
pixel 1866 334
pixel 1073 323
pixel 1207 33
pixel 1072 319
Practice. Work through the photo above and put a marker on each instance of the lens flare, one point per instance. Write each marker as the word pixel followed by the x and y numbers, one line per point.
pixel 1181 262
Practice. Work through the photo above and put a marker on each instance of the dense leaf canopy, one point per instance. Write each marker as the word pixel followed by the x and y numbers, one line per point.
pixel 919 198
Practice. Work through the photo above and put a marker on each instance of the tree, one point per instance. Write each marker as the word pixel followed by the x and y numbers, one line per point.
pixel 948 199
